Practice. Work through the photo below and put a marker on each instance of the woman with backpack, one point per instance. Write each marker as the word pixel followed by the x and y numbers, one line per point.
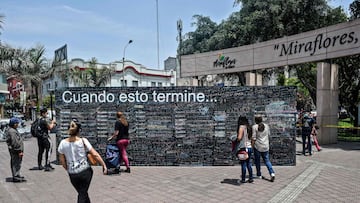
pixel 260 140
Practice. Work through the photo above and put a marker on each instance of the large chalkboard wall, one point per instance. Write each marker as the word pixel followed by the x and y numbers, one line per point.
pixel 174 126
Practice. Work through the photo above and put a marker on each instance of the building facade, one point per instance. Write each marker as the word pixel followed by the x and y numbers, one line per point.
pixel 127 74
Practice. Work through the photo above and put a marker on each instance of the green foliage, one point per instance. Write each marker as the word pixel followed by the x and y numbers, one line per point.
pixel 355 9
pixel 281 80
pixel 47 101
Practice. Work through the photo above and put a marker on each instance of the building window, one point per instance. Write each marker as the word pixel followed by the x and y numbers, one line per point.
pixel 153 84
pixel 56 85
pixel 124 83
pixel 159 84
pixel 135 83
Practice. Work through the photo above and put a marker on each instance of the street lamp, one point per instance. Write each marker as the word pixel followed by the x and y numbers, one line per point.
pixel 123 82
pixel 51 102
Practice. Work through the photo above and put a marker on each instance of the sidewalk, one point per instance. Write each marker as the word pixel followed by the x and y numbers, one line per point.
pixel 332 175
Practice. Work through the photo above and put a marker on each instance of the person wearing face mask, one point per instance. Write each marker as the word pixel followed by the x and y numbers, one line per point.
pixel 73 157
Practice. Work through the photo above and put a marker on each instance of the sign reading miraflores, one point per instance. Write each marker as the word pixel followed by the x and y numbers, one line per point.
pixel 330 42
pixel 104 96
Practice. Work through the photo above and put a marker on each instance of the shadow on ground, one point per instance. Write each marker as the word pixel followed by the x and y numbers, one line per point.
pixel 230 181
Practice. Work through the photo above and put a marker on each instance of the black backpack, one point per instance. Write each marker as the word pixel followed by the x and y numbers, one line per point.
pixel 35 128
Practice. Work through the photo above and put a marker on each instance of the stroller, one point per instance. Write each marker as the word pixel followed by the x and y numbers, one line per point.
pixel 112 159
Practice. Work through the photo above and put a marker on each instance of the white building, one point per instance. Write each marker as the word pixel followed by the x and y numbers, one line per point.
pixel 127 74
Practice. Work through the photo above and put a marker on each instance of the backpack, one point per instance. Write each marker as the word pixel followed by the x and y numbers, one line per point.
pixel 35 128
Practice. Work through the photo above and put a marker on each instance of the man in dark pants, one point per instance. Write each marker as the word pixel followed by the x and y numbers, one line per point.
pixel 44 140
pixel 307 124
pixel 16 148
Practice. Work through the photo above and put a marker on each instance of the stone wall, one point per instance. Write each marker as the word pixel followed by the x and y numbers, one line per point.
pixel 174 126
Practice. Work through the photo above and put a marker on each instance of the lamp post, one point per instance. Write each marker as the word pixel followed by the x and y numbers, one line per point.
pixel 123 65
pixel 51 102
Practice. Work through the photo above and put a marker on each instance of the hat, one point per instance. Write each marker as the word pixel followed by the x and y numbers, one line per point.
pixel 14 121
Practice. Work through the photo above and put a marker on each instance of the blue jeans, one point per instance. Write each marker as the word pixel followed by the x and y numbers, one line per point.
pixel 265 157
pixel 247 164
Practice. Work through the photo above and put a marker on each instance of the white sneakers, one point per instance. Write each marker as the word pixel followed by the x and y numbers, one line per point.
pixel 272 177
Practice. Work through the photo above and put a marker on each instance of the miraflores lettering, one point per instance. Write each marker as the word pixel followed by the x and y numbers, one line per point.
pixel 225 62
pixel 320 42
pixel 131 97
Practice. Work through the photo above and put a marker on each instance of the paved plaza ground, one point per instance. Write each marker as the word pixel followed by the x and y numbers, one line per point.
pixel 332 175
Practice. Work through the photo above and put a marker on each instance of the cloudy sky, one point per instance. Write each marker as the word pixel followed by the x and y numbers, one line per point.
pixel 101 29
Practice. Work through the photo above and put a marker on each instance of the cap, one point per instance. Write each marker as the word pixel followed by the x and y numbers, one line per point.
pixel 14 121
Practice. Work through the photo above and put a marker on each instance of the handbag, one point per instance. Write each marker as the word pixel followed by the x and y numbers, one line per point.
pixel 91 159
pixel 243 155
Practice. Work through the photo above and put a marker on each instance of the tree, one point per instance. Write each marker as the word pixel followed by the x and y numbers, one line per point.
pixel 355 9
pixel 349 83
pixel 27 66
pixel 197 41
pixel 1 21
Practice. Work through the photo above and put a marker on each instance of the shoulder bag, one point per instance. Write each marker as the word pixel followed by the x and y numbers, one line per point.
pixel 91 159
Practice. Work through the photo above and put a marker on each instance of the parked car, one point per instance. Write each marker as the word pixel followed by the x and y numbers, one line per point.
pixel 18 115
pixel 23 129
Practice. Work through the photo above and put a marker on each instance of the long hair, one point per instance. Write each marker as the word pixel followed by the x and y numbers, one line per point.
pixel 242 121
pixel 122 118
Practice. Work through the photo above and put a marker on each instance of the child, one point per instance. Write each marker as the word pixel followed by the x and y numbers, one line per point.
pixel 314 134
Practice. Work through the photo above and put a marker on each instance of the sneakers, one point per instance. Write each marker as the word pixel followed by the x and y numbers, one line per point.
pixel 127 170
pixel 251 180
pixel 272 177
pixel 19 179
pixel 40 167
pixel 49 168
pixel 240 181
pixel 259 177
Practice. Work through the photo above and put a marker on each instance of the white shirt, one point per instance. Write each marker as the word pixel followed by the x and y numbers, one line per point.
pixel 261 138
pixel 75 154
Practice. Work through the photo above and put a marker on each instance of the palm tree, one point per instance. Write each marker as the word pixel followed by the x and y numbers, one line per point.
pixel 28 66
pixel 37 71
pixel 92 76
pixel 1 21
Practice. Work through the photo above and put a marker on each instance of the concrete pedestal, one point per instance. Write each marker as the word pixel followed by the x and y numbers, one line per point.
pixel 327 102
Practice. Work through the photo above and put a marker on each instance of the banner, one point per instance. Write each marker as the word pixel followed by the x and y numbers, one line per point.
pixel 60 54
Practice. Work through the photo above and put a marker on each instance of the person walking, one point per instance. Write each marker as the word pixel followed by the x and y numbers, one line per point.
pixel 73 158
pixel 44 140
pixel 16 149
pixel 307 124
pixel 314 133
pixel 260 140
pixel 121 133
pixel 244 145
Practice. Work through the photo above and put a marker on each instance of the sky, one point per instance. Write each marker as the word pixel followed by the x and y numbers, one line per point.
pixel 102 29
